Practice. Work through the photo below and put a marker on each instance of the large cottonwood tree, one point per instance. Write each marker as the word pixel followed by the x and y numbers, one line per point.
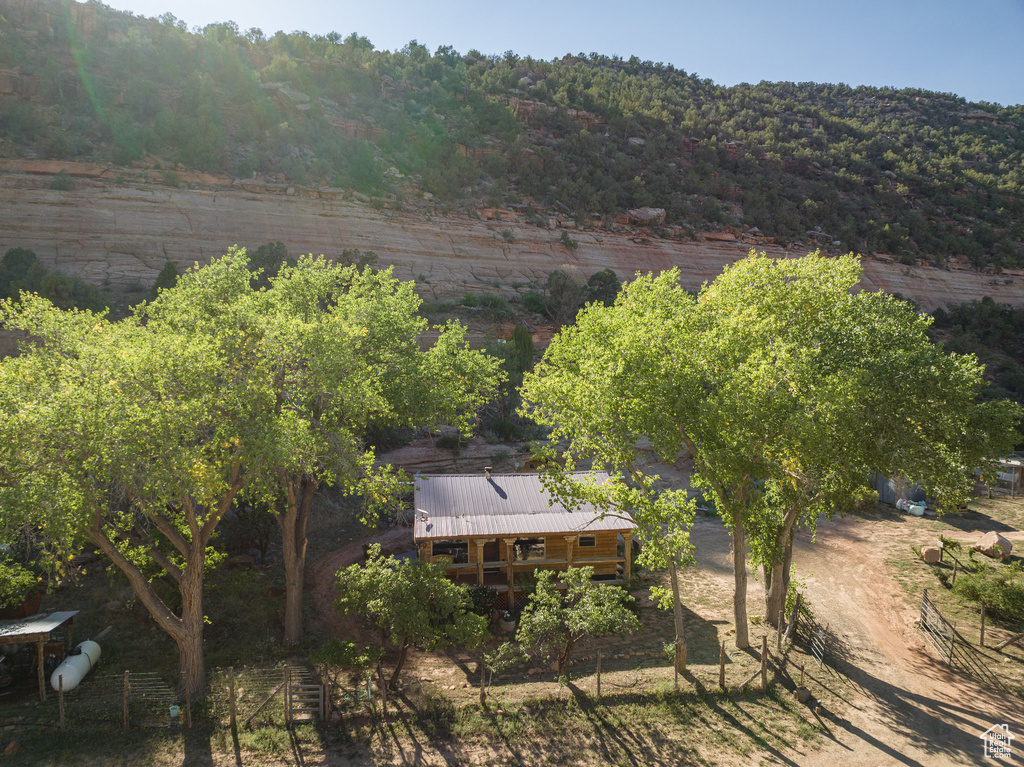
pixel 329 352
pixel 786 389
pixel 138 435
pixel 131 438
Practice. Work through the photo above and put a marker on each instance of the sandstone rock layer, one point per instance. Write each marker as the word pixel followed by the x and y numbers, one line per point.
pixel 120 235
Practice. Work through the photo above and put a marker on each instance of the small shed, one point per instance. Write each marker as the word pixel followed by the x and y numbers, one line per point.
pixel 492 527
pixel 38 629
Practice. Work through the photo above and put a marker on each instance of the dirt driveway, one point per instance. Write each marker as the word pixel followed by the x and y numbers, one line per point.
pixel 905 706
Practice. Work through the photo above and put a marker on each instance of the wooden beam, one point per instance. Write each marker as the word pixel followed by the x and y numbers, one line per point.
pixel 509 543
pixel 39 660
pixel 480 559
pixel 627 550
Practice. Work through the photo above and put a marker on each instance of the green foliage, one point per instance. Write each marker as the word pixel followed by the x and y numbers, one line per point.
pixel 533 302
pixel 15 583
pixel 20 271
pixel 603 287
pixel 780 383
pixel 269 259
pixel 999 588
pixel 216 389
pixel 520 352
pixel 62 181
pixel 568 241
pixel 483 599
pixel 358 258
pixel 497 305
pixel 553 622
pixel 349 656
pixel 797 586
pixel 907 171
pixel 471 300
pixel 410 604
pixel 564 296
pixel 167 278
pixel 992 331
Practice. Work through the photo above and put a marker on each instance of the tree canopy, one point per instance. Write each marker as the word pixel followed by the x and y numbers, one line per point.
pixel 138 435
pixel 410 604
pixel 784 387
pixel 554 620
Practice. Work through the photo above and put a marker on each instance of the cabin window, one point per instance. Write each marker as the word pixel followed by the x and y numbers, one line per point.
pixel 588 541
pixel 457 550
pixel 528 549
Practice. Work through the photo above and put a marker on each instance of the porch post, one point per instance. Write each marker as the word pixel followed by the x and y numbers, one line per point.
pixel 479 560
pixel 509 542
pixel 627 549
pixel 569 540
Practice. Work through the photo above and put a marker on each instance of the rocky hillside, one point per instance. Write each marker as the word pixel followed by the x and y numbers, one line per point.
pixel 120 234
pixel 599 143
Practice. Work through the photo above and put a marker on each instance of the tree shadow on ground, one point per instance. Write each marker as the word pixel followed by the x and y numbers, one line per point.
pixel 197 746
pixel 948 727
pixel 975 522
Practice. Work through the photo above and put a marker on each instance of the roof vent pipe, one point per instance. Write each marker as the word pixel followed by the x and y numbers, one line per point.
pixel 487 471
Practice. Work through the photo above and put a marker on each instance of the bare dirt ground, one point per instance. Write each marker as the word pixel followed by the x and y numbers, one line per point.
pixel 884 696
pixel 320 576
pixel 904 706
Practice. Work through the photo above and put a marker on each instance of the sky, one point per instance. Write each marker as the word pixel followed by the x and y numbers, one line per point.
pixel 973 49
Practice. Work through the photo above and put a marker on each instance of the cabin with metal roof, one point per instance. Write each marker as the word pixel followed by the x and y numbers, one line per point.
pixel 494 527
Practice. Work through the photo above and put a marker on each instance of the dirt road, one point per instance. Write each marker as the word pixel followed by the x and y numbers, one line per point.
pixel 906 707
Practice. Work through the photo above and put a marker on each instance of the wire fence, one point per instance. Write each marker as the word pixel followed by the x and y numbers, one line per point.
pixel 951 646
pixel 282 695
pixel 247 696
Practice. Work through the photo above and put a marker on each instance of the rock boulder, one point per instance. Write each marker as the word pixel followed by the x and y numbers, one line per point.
pixel 992 544
pixel 647 216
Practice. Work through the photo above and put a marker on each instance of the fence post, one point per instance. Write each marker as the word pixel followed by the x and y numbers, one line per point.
pixel 231 692
pixel 60 699
pixel 801 674
pixel 764 663
pixel 598 673
pixel 288 696
pixel 981 641
pixel 721 666
pixel 126 688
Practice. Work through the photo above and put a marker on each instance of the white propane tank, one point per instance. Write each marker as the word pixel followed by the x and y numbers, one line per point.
pixel 82 660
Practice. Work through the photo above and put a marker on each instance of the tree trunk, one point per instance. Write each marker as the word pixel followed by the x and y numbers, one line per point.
pixel 294 520
pixel 739 566
pixel 677 608
pixel 776 585
pixel 398 666
pixel 565 657
pixel 192 671
pixel 776 572
pixel 192 667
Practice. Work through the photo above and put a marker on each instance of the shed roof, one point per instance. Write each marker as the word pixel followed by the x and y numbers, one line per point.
pixel 461 506
pixel 34 625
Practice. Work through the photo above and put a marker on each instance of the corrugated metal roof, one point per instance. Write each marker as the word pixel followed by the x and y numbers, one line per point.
pixel 464 505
